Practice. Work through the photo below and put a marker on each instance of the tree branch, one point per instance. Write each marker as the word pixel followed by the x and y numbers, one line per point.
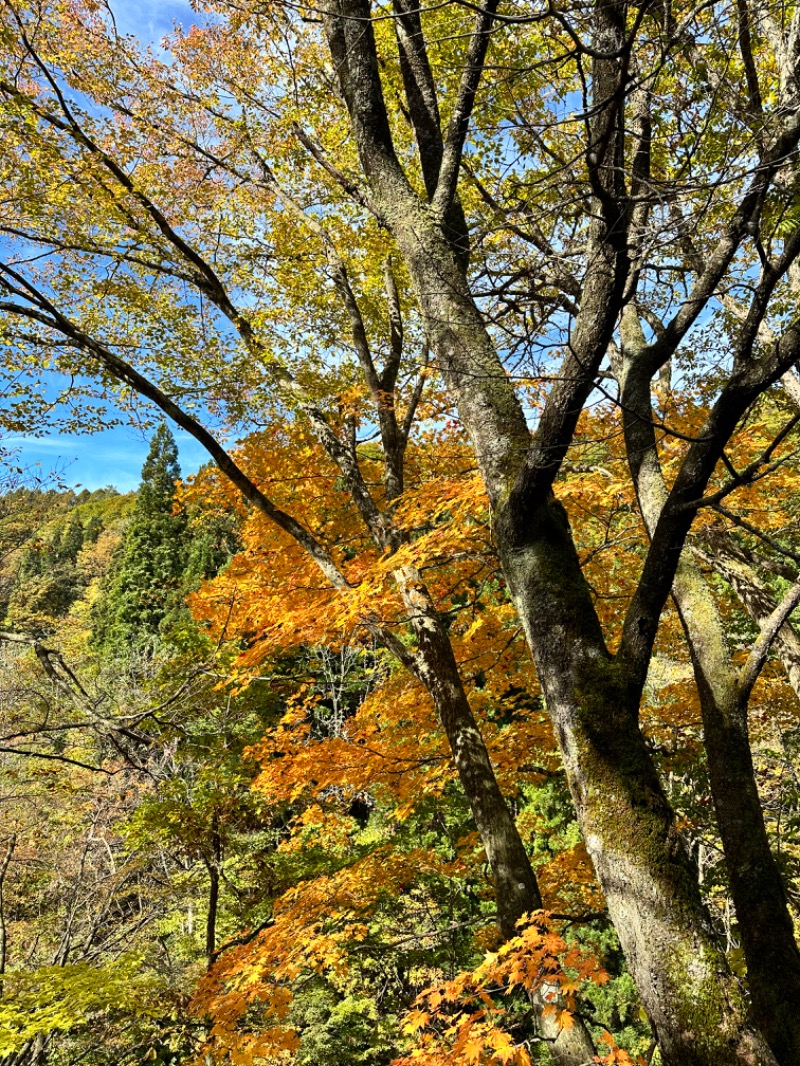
pixel 462 112
pixel 769 632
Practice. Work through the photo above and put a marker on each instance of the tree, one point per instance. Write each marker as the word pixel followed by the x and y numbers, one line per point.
pixel 620 183
pixel 385 751
pixel 146 584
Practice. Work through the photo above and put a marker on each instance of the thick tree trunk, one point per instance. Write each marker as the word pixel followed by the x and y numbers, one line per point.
pixel 691 996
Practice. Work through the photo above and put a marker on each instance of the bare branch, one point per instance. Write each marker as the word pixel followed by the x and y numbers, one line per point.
pixel 769 631
pixel 462 112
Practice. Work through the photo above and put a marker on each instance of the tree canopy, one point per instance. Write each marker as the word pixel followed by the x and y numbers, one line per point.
pixel 146 585
pixel 500 304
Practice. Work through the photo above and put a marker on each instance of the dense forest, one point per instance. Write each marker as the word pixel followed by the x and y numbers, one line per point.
pixel 450 714
pixel 226 835
pixel 161 819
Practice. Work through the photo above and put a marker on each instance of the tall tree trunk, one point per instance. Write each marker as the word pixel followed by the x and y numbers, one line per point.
pixel 759 897
pixel 213 864
pixel 692 999
pixel 767 931
pixel 516 888
pixel 691 996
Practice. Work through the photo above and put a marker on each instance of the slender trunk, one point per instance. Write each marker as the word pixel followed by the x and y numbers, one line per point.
pixel 3 931
pixel 213 866
pixel 759 897
pixel 762 910
pixel 516 889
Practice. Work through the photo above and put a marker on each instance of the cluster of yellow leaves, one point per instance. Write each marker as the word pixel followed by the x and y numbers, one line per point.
pixel 462 1020
pixel 569 879
pixel 52 999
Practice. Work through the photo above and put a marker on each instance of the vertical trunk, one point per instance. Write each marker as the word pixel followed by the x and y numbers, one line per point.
pixel 515 883
pixel 650 882
pixel 765 924
pixel 213 866
pixel 3 931
pixel 516 888
pixel 771 952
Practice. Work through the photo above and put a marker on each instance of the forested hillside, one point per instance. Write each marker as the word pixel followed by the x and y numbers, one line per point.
pixel 216 846
pixel 451 713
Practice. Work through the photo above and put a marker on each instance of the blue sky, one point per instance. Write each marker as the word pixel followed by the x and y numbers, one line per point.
pixel 115 456
pixel 149 20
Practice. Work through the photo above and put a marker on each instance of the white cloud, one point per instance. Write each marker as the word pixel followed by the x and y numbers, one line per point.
pixel 43 443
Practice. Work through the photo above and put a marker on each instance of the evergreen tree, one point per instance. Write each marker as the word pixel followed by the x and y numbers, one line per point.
pixel 71 541
pixel 94 528
pixel 145 587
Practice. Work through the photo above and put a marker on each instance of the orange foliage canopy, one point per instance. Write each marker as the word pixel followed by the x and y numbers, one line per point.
pixel 271 601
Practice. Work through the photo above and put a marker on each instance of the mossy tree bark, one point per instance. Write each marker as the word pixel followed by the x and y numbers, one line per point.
pixel 767 930
pixel 693 1000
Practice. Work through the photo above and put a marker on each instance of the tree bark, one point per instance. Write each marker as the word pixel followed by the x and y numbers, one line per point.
pixel 213 866
pixel 3 931
pixel 693 1000
pixel 516 888
pixel 691 996
pixel 766 927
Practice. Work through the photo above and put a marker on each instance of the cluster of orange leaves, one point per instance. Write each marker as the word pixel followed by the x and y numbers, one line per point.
pixel 247 994
pixel 273 593
pixel 273 598
pixel 461 1021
